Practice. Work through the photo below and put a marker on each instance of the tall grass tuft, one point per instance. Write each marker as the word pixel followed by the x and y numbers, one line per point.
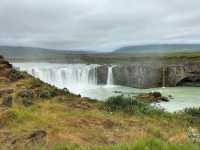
pixel 130 105
pixel 193 115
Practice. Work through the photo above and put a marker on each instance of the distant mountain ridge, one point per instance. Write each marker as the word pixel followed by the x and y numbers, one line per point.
pixel 35 53
pixel 159 48
pixel 21 49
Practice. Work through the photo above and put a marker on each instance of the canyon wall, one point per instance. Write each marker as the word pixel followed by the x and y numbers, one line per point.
pixel 132 75
pixel 149 76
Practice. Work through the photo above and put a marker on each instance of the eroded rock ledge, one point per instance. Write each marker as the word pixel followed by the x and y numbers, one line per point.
pixel 149 76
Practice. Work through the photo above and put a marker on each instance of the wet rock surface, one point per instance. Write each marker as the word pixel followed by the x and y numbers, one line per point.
pixel 152 97
pixel 102 73
pixel 137 76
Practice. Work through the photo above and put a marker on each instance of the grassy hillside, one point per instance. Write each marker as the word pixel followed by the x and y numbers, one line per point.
pixel 144 56
pixel 35 115
pixel 159 48
pixel 38 54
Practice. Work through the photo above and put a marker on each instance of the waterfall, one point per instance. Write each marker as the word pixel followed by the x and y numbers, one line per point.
pixel 110 76
pixel 71 76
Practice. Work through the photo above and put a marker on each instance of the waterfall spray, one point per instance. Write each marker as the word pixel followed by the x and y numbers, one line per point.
pixel 110 76
pixel 72 76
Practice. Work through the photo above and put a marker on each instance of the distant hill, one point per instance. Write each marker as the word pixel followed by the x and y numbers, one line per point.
pixel 34 53
pixel 159 48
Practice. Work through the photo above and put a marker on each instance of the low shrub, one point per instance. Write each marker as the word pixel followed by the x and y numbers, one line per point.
pixel 130 105
pixel 192 115
pixel 195 112
pixel 35 83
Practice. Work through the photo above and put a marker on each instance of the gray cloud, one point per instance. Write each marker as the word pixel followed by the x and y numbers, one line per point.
pixel 98 24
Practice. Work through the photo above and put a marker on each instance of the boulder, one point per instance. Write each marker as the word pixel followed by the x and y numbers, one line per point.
pixel 5 63
pixel 45 94
pixel 37 135
pixel 165 99
pixel 152 97
pixel 14 75
pixel 6 90
pixel 25 93
pixel 7 101
pixel 27 97
pixel 156 95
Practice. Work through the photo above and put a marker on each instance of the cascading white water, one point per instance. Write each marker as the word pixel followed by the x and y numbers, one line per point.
pixel 110 76
pixel 72 76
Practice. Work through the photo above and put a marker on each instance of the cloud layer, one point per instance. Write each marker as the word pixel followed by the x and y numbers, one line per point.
pixel 98 24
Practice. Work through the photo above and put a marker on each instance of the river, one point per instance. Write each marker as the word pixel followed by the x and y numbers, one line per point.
pixel 82 79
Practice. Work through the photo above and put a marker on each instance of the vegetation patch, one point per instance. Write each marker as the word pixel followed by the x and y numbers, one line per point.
pixel 130 105
pixel 193 115
pixel 142 144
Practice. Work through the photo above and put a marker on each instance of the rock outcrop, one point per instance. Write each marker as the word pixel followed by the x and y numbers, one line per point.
pixel 7 101
pixel 102 73
pixel 138 76
pixel 152 97
pixel 178 75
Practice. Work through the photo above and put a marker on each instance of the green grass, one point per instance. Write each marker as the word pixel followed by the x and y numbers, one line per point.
pixel 192 115
pixel 142 144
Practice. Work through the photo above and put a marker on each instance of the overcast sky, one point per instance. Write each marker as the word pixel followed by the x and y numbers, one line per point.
pixel 98 24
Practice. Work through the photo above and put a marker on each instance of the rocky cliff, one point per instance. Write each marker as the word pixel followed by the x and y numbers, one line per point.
pixel 152 75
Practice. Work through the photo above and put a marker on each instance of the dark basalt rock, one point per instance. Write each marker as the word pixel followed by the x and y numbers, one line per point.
pixel 7 101
pixel 1 57
pixel 156 94
pixel 38 136
pixel 5 63
pixel 44 94
pixel 152 97
pixel 26 97
pixel 14 75
pixel 137 76
pixel 102 73
pixel 152 75
pixel 165 99
pixel 26 93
